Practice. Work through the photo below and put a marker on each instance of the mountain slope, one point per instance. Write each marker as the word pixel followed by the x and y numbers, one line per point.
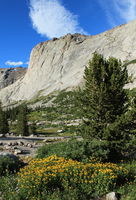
pixel 59 63
pixel 10 75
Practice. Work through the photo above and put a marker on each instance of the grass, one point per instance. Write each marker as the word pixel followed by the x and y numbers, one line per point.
pixel 48 131
pixel 130 62
pixel 44 99
pixel 128 191
pixel 36 116
pixel 55 117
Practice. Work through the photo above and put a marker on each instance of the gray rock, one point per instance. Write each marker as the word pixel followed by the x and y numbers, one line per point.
pixel 40 123
pixel 112 196
pixel 20 143
pixel 59 131
pixel 18 151
pixel 32 135
pixel 9 144
pixel 45 140
pixel 14 147
pixel 2 135
pixel 14 143
pixel 29 145
pixel 12 134
pixel 7 147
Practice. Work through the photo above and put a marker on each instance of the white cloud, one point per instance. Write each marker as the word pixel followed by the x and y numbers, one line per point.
pixel 26 63
pixel 119 11
pixel 126 9
pixel 108 9
pixel 12 63
pixel 51 19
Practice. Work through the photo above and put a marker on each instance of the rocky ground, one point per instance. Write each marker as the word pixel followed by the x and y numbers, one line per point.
pixel 25 146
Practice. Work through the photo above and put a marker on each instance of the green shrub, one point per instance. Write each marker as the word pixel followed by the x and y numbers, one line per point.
pixel 57 178
pixel 131 167
pixel 46 176
pixel 8 190
pixel 76 150
pixel 128 191
pixel 32 129
pixel 9 165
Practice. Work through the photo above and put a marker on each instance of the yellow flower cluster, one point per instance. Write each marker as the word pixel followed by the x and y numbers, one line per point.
pixel 54 170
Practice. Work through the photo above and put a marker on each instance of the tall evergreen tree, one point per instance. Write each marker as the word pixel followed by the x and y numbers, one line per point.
pixel 4 127
pixel 106 112
pixel 22 127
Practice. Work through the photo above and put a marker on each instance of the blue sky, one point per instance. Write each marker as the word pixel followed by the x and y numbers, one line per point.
pixel 25 23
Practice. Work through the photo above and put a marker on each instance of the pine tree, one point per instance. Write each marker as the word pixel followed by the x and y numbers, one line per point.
pixel 107 114
pixel 4 127
pixel 22 127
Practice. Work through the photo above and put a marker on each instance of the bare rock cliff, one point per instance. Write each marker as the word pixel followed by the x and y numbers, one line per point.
pixel 59 63
pixel 9 76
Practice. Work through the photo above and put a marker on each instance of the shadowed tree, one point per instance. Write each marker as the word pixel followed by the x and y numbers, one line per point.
pixel 107 113
pixel 4 127
pixel 22 126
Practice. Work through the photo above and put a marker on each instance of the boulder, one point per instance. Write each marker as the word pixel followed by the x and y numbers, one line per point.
pixel 6 147
pixel 12 134
pixel 18 151
pixel 9 144
pixel 32 135
pixel 2 135
pixel 20 143
pixel 113 196
pixel 14 147
pixel 14 144
pixel 29 145
pixel 60 131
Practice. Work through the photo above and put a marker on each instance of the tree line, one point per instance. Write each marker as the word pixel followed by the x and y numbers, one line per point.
pixel 20 114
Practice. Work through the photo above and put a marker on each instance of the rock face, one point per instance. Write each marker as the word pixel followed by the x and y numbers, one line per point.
pixel 10 75
pixel 59 63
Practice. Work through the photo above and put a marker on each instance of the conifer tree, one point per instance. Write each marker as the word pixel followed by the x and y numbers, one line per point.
pixel 107 114
pixel 22 126
pixel 4 127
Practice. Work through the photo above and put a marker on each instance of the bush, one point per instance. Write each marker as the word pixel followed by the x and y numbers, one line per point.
pixel 8 190
pixel 128 191
pixel 76 150
pixel 9 165
pixel 57 176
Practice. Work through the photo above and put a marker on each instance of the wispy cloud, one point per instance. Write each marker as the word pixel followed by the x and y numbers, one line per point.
pixel 26 63
pixel 126 9
pixel 12 63
pixel 51 19
pixel 119 11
